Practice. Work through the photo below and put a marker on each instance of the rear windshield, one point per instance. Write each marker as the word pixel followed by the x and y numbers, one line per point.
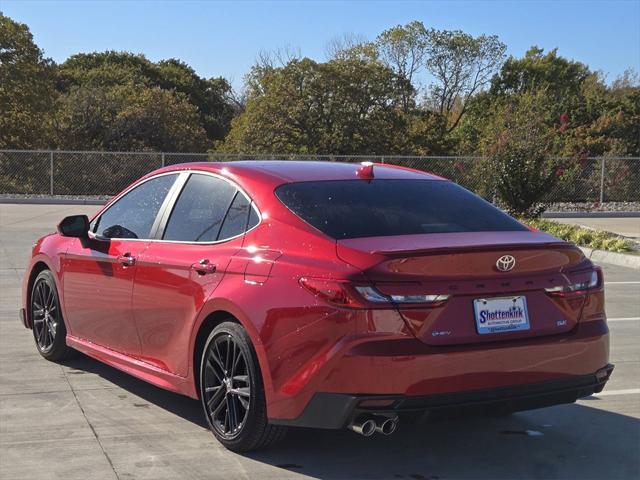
pixel 357 208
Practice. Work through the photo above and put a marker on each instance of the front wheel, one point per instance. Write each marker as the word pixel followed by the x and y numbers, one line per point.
pixel 49 331
pixel 232 392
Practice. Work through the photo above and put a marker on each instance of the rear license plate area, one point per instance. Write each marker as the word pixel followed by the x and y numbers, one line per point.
pixel 501 314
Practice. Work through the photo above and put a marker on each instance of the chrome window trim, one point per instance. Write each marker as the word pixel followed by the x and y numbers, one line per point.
pixel 167 206
pixel 169 203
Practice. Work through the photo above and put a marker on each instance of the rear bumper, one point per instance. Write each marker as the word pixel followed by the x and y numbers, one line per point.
pixel 402 367
pixel 336 410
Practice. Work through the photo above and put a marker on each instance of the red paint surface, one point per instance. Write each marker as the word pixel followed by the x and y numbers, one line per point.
pixel 144 318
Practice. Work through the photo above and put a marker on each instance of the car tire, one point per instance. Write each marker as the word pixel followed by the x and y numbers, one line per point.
pixel 47 322
pixel 232 392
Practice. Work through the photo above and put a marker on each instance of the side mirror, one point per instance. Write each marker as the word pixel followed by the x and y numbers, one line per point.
pixel 74 226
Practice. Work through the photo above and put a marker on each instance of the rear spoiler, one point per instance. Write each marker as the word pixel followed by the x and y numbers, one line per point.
pixel 469 248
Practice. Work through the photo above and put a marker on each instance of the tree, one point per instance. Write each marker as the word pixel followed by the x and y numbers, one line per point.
pixel 339 107
pixel 563 80
pixel 518 142
pixel 561 77
pixel 461 65
pixel 211 97
pixel 128 117
pixel 26 88
pixel 612 123
pixel 403 49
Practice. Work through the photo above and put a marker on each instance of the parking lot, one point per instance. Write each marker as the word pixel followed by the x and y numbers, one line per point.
pixel 84 419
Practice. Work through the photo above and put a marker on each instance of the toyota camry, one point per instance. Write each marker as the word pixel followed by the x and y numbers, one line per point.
pixel 324 295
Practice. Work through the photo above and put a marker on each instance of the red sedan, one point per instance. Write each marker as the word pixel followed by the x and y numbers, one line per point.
pixel 323 295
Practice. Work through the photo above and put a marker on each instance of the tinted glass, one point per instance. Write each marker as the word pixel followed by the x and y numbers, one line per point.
pixel 356 208
pixel 133 215
pixel 200 210
pixel 235 223
pixel 254 219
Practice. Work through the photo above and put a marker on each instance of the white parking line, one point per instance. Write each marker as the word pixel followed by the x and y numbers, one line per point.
pixel 621 283
pixel 607 393
pixel 623 319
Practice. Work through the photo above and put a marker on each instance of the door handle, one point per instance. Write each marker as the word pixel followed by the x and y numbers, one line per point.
pixel 204 267
pixel 126 259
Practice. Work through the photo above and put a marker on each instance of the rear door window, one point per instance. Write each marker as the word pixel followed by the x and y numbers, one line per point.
pixel 355 208
pixel 200 209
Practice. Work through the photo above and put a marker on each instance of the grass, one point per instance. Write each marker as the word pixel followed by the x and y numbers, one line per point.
pixel 585 237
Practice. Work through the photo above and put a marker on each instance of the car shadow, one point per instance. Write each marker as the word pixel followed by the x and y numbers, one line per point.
pixel 179 405
pixel 565 441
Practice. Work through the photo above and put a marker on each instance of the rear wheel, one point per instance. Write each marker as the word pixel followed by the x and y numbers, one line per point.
pixel 232 393
pixel 49 331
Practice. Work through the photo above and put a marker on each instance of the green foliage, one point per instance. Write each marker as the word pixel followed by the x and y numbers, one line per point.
pixel 341 107
pixel 459 64
pixel 26 88
pixel 597 239
pixel 561 78
pixel 411 91
pixel 613 126
pixel 594 119
pixel 209 97
pixel 105 101
pixel 518 142
pixel 128 117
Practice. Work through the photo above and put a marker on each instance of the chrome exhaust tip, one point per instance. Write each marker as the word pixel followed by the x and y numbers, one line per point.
pixel 387 425
pixel 364 426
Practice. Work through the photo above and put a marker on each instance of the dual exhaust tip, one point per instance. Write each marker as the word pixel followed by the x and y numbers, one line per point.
pixel 367 425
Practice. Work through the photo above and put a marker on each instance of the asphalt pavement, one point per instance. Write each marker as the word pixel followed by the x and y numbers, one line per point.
pixel 83 419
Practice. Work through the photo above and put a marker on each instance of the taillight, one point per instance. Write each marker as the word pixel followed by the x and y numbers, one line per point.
pixel 346 295
pixel 335 293
pixel 579 288
pixel 373 295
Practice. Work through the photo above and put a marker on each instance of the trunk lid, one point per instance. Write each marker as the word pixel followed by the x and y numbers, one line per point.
pixel 464 266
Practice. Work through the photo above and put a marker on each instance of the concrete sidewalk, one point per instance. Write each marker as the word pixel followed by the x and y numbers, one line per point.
pixel 627 227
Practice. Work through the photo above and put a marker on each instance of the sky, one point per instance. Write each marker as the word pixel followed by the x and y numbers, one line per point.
pixel 222 38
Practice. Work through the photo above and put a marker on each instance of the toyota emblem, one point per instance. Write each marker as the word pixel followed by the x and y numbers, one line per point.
pixel 506 263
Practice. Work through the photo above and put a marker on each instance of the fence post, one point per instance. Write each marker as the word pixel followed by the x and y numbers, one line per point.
pixel 162 158
pixel 382 160
pixel 51 173
pixel 602 181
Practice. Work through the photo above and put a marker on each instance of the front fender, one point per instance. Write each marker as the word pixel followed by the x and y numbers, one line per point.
pixel 46 254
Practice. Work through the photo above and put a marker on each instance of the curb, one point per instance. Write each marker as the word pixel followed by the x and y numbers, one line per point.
pixel 590 214
pixel 613 258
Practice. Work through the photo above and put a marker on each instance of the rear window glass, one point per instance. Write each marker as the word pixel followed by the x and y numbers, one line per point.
pixel 357 208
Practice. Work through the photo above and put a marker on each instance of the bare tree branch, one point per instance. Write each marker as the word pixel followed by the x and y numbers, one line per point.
pixel 461 65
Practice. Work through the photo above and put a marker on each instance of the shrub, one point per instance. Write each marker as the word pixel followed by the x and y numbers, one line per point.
pixel 518 143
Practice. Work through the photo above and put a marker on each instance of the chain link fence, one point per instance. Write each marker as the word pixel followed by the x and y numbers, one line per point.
pixel 90 174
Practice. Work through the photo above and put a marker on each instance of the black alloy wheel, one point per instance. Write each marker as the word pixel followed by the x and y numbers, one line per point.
pixel 49 331
pixel 232 393
pixel 226 386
